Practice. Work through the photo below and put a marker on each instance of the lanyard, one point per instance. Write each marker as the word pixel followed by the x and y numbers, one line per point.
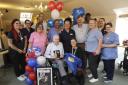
pixel 74 51
pixel 21 38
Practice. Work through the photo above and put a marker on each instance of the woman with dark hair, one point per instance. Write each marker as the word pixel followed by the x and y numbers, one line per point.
pixel 17 43
pixel 109 52
pixel 77 51
pixel 87 18
pixel 54 31
pixel 67 34
pixel 38 38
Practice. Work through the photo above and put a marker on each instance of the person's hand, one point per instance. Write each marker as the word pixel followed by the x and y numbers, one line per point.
pixel 20 51
pixel 103 45
pixel 97 52
pixel 24 50
pixel 61 56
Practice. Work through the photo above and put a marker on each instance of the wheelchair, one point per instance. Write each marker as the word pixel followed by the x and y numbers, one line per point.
pixel 55 71
pixel 124 63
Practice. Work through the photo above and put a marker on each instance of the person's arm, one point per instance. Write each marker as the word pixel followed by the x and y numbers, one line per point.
pixel 62 51
pixel 25 45
pixel 99 46
pixel 31 40
pixel 109 45
pixel 100 39
pixel 11 45
pixel 114 44
pixel 47 53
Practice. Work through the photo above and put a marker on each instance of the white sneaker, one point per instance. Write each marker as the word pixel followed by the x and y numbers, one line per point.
pixel 21 78
pixel 90 75
pixel 24 76
pixel 107 81
pixel 93 80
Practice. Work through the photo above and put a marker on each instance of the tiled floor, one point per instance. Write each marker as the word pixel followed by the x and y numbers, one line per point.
pixel 7 77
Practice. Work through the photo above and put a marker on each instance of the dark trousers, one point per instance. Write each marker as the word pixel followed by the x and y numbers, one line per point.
pixel 84 61
pixel 19 63
pixel 92 61
pixel 98 61
pixel 109 66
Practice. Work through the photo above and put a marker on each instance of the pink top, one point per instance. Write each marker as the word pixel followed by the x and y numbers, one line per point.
pixel 38 40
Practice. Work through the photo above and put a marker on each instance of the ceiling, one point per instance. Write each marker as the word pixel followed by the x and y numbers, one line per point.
pixel 95 7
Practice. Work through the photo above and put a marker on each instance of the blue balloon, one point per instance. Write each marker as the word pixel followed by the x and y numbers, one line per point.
pixel 73 11
pixel 82 11
pixel 29 82
pixel 32 62
pixel 76 12
pixel 50 23
pixel 61 22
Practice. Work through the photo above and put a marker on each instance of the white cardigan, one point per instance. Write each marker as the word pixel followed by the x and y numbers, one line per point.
pixel 49 53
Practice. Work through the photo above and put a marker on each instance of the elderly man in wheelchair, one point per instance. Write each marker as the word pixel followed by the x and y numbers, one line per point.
pixel 54 54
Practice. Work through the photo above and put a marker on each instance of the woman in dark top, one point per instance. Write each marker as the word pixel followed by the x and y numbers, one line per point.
pixel 17 43
pixel 77 51
pixel 67 34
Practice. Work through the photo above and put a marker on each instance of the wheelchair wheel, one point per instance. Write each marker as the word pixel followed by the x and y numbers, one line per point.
pixel 56 77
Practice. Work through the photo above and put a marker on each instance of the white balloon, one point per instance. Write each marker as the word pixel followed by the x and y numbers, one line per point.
pixel 41 60
pixel 55 14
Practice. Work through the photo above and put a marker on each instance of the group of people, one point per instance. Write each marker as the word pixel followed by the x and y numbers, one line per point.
pixel 90 39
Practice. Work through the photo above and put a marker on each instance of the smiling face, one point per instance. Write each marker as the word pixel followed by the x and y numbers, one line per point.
pixel 17 24
pixel 41 18
pixel 108 28
pixel 56 39
pixel 67 25
pixel 73 43
pixel 92 24
pixel 101 22
pixel 56 24
pixel 80 20
pixel 28 24
pixel 39 28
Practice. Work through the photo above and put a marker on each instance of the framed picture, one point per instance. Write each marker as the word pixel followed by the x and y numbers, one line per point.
pixel 44 76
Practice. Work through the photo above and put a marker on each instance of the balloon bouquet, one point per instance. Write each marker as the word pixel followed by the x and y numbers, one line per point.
pixel 77 12
pixel 34 60
pixel 55 8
